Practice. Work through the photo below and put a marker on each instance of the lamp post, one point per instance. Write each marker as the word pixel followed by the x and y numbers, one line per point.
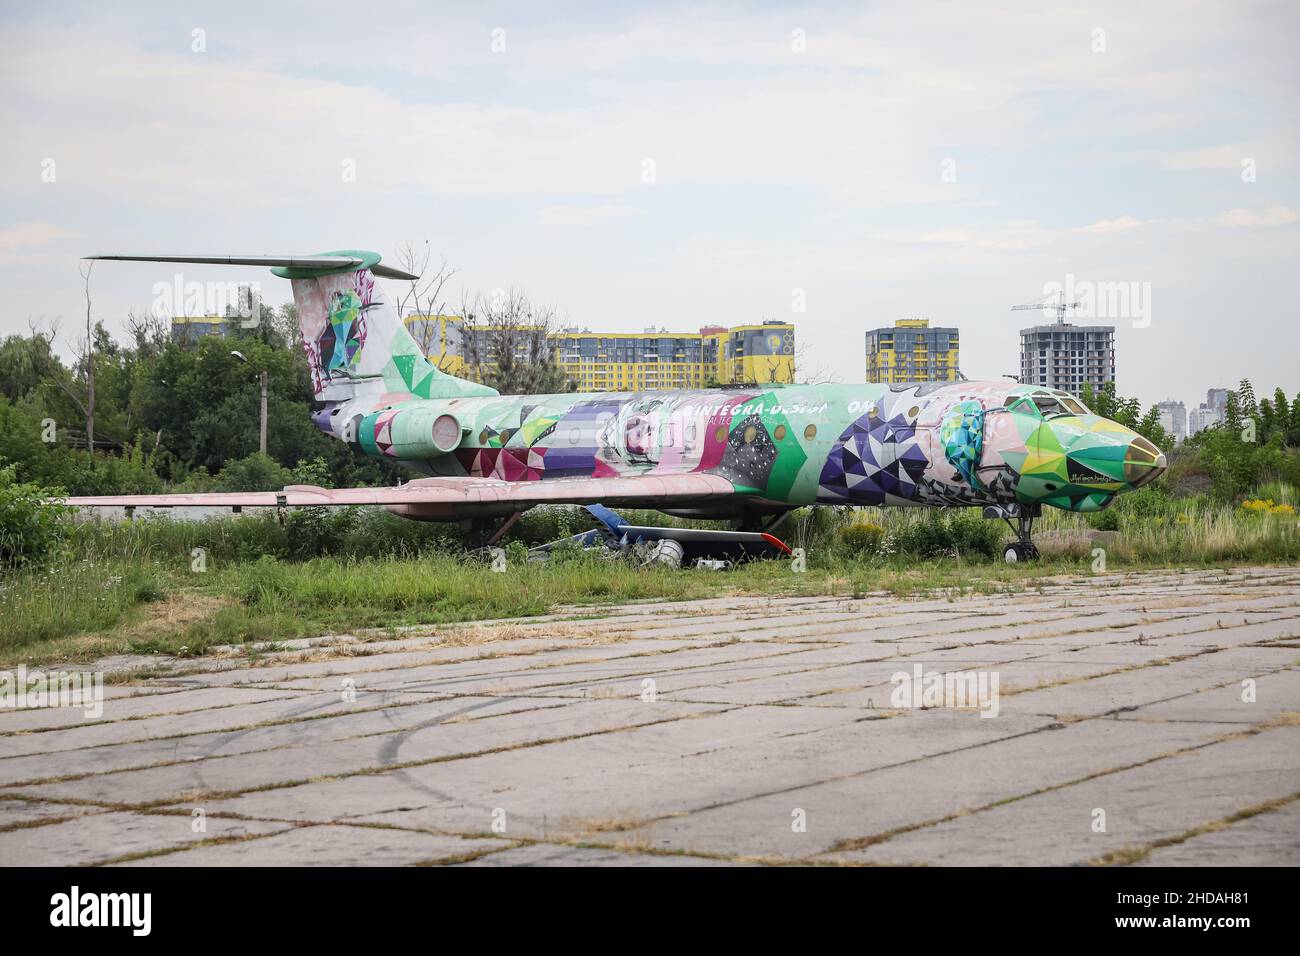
pixel 262 376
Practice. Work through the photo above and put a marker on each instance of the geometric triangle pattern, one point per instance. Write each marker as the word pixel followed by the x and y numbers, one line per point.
pixel 384 430
pixel 872 461
pixel 346 332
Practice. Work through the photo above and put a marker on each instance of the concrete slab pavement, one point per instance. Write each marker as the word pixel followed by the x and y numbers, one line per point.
pixel 726 731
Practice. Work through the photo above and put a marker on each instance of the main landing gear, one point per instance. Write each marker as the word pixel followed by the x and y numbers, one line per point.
pixel 751 521
pixel 1022 549
pixel 482 534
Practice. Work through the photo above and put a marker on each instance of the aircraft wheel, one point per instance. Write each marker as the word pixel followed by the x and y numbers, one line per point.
pixel 1017 552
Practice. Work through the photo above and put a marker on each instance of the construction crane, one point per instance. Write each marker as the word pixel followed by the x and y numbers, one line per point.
pixel 1043 303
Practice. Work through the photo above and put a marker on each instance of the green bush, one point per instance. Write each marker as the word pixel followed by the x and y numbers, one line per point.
pixel 516 553
pixel 862 538
pixel 257 472
pixel 312 532
pixel 1107 520
pixel 957 532
pixel 546 524
pixel 32 527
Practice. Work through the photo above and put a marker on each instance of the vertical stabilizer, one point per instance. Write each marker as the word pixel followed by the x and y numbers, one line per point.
pixel 356 343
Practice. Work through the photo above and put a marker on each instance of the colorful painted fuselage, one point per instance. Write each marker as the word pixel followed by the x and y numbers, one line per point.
pixel 961 443
pixel 965 443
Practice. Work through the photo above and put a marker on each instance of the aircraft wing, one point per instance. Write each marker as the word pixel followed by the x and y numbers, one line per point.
pixel 449 497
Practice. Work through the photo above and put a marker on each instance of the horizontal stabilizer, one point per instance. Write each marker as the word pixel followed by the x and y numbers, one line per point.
pixel 307 264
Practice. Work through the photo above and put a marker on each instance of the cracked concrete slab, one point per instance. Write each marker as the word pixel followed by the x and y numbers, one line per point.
pixel 1268 839
pixel 96 838
pixel 1137 807
pixel 332 845
pixel 733 730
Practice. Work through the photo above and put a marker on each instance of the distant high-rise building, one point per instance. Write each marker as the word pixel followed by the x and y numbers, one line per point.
pixel 912 351
pixel 1173 418
pixel 1210 412
pixel 1067 356
pixel 1217 399
pixel 1200 418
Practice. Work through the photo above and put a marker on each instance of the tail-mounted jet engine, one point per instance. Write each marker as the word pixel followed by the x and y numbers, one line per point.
pixel 412 434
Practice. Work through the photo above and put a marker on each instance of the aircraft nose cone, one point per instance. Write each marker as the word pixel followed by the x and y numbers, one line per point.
pixel 1143 462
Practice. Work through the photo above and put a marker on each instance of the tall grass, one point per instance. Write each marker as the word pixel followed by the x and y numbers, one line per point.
pixel 277 600
pixel 326 572
pixel 40 606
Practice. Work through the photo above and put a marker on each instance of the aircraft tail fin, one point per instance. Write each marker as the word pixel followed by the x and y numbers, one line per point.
pixel 355 340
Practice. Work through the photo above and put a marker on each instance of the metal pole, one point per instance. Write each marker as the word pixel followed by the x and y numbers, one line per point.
pixel 261 437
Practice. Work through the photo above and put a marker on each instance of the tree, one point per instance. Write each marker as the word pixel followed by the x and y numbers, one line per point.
pixel 1246 398
pixel 1232 414
pixel 27 363
pixel 423 296
pixel 505 340
pixel 284 323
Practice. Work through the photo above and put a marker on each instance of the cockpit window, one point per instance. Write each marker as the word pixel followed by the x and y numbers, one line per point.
pixel 1076 406
pixel 1049 406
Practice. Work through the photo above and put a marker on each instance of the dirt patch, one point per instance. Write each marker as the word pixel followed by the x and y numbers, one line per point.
pixel 174 613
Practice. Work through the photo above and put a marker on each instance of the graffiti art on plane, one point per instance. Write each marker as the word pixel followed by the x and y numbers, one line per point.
pixel 749 454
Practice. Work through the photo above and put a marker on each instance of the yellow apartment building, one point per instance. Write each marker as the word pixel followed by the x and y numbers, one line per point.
pixel 761 353
pixel 912 351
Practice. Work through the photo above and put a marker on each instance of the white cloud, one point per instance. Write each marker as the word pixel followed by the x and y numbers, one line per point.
pixel 774 169
pixel 865 116
pixel 1118 224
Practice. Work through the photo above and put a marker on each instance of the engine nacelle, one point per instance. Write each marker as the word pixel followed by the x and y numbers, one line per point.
pixel 416 433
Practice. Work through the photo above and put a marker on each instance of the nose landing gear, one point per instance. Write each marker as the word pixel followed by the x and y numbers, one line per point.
pixel 1017 552
pixel 1022 549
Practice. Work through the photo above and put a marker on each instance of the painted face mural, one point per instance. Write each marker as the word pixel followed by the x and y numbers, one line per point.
pixel 639 436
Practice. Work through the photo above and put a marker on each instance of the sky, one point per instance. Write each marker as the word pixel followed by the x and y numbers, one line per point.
pixel 837 165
